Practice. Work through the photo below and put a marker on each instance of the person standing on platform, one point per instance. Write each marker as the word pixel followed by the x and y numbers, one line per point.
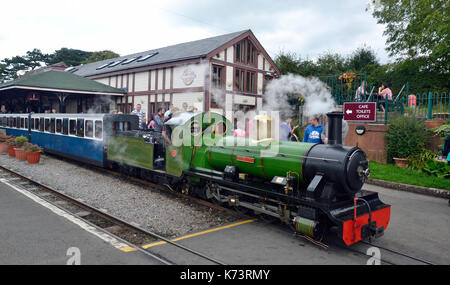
pixel 286 130
pixel 313 132
pixel 139 113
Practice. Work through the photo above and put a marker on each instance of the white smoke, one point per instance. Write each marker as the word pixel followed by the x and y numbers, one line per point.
pixel 318 100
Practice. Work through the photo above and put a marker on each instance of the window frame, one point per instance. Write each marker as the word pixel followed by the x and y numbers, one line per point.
pixel 89 133
pixel 60 125
pixel 95 129
pixel 74 129
pixel 80 127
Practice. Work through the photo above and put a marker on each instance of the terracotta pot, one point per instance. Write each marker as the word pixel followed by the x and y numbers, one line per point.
pixel 432 124
pixel 401 162
pixel 21 154
pixel 11 151
pixel 33 156
pixel 3 147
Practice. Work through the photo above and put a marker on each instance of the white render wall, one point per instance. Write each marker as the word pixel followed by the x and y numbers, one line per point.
pixel 141 81
pixel 230 54
pixel 182 74
pixel 191 98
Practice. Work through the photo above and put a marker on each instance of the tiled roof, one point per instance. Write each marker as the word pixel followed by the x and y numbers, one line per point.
pixel 64 81
pixel 189 50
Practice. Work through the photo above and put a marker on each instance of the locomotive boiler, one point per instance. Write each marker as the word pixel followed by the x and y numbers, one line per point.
pixel 314 187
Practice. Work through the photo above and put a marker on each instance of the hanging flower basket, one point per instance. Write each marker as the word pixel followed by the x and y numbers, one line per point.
pixel 21 154
pixel 33 157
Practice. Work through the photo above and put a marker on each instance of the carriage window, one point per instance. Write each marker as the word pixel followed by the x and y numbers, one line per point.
pixel 47 125
pixel 220 128
pixel 22 123
pixel 52 125
pixel 98 129
pixel 18 122
pixel 80 127
pixel 89 129
pixel 26 123
pixel 32 124
pixel 73 127
pixel 36 124
pixel 58 126
pixel 41 124
pixel 65 126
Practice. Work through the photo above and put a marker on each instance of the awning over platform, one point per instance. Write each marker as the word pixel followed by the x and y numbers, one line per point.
pixel 60 81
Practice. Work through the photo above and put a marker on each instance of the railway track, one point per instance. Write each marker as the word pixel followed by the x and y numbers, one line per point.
pixel 386 256
pixel 119 228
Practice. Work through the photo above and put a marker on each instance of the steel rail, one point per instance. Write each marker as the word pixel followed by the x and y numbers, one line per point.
pixel 111 217
pixel 400 253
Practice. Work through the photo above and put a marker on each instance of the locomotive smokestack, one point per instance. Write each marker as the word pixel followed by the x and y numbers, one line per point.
pixel 335 127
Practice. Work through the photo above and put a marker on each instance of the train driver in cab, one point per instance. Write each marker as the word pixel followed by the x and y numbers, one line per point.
pixel 159 125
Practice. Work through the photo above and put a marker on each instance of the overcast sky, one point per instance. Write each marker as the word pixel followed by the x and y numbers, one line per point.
pixel 305 27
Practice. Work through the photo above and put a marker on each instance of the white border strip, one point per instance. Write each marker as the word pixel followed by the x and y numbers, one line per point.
pixel 105 237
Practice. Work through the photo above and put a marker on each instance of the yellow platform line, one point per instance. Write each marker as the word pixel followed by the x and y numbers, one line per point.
pixel 129 249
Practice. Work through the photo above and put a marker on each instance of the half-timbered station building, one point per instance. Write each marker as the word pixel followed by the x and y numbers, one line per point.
pixel 220 74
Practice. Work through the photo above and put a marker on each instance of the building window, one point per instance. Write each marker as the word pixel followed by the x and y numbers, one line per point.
pixel 217 83
pixel 245 52
pixel 217 77
pixel 245 81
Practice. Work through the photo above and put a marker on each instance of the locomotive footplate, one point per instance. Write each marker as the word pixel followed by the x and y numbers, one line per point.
pixel 367 217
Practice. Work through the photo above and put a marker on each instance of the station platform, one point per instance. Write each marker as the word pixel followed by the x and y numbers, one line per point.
pixel 31 233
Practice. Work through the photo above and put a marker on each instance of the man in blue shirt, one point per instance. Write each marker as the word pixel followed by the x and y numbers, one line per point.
pixel 313 132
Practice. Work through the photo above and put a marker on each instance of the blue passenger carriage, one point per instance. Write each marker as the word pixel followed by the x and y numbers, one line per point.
pixel 14 124
pixel 82 137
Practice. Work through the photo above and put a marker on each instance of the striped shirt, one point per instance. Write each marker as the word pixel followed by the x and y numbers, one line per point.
pixel 140 114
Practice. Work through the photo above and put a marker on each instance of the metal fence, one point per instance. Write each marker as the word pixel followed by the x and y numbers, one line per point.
pixel 427 105
pixel 434 105
pixel 344 89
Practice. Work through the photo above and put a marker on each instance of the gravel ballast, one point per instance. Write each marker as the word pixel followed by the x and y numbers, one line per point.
pixel 156 211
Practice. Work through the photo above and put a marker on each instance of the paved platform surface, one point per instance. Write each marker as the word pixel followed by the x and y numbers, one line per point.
pixel 32 234
pixel 419 226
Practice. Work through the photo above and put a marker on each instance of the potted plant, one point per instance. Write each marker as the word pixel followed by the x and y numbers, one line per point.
pixel 3 144
pixel 11 145
pixel 33 153
pixel 433 123
pixel 406 136
pixel 19 151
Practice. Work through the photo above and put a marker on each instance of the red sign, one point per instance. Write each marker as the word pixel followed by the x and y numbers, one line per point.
pixel 245 159
pixel 355 111
pixel 33 97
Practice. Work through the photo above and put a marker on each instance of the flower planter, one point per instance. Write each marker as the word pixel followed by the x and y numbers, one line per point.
pixel 33 157
pixel 21 154
pixel 11 151
pixel 3 147
pixel 432 124
pixel 401 162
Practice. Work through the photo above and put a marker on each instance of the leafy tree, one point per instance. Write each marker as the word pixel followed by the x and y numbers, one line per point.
pixel 416 28
pixel 287 63
pixel 101 55
pixel 71 57
pixel 330 63
pixel 35 58
pixel 360 59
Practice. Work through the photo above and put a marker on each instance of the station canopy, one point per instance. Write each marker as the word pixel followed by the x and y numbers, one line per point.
pixel 60 81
